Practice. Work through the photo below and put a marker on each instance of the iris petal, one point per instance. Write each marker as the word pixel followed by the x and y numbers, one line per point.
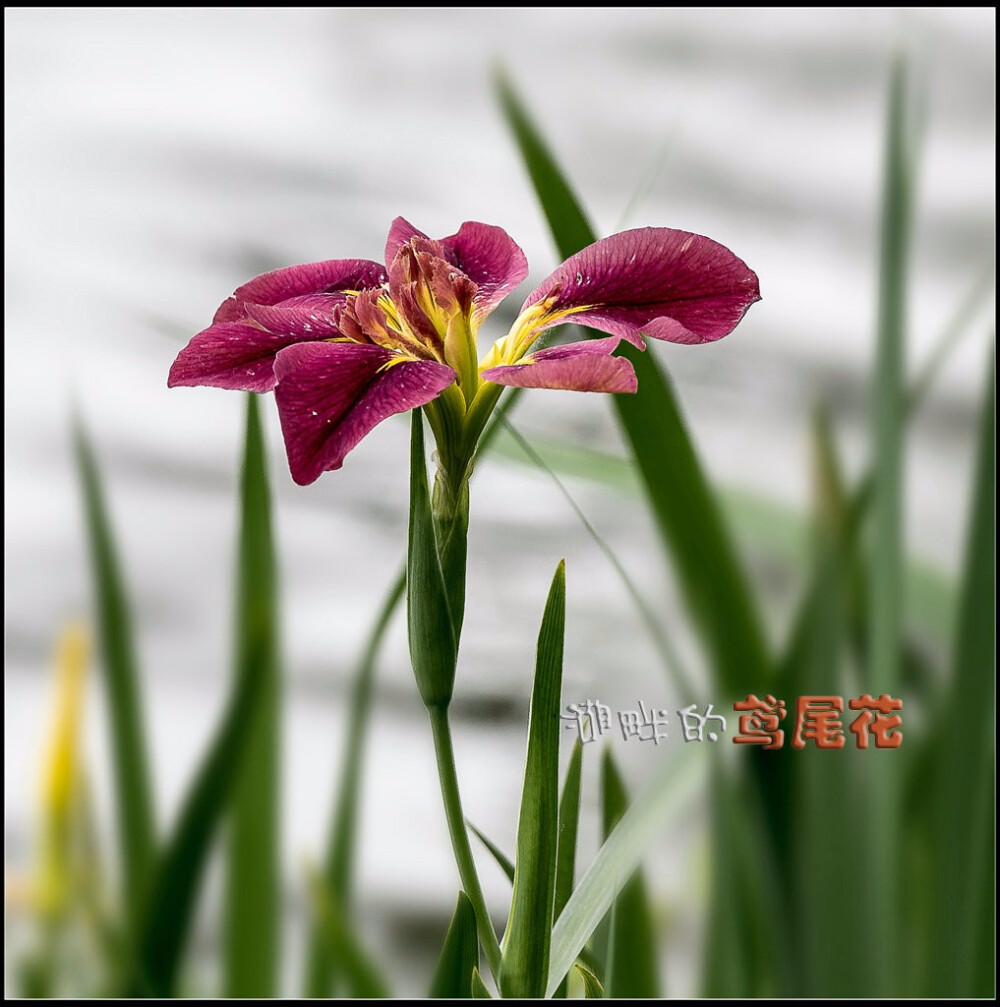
pixel 583 367
pixel 330 395
pixel 652 281
pixel 235 355
pixel 294 281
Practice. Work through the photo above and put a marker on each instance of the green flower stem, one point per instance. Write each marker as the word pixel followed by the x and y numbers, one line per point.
pixel 441 729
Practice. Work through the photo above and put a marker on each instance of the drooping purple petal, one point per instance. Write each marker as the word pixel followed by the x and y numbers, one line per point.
pixel 652 281
pixel 235 355
pixel 486 254
pixel 583 367
pixel 294 281
pixel 490 257
pixel 311 316
pixel 330 395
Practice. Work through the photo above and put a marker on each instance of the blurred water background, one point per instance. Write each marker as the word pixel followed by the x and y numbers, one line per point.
pixel 157 157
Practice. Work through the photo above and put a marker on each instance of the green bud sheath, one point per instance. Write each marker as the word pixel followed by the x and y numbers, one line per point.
pixel 432 629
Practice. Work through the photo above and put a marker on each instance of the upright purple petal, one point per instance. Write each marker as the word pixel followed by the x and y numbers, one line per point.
pixel 490 257
pixel 235 355
pixel 486 254
pixel 400 232
pixel 583 367
pixel 294 281
pixel 652 281
pixel 330 395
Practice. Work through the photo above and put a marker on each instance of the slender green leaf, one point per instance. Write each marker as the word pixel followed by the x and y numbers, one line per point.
pixel 433 645
pixel 459 956
pixel 686 511
pixel 363 976
pixel 640 826
pixel 668 653
pixel 182 864
pixel 133 790
pixel 886 589
pixel 631 970
pixel 593 990
pixel 503 861
pixel 524 967
pixel 569 820
pixel 339 867
pixel 479 990
pixel 963 828
pixel 252 896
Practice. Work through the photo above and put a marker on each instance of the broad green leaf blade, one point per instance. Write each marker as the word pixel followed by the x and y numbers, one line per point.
pixel 133 790
pixel 524 967
pixel 459 956
pixel 433 645
pixel 479 990
pixel 182 864
pixel 363 977
pixel 339 867
pixel 253 912
pixel 631 970
pixel 963 829
pixel 593 990
pixel 640 827
pixel 503 861
pixel 683 504
pixel 885 578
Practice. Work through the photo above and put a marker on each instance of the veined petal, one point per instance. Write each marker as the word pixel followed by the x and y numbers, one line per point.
pixel 400 232
pixel 330 395
pixel 652 281
pixel 583 367
pixel 490 257
pixel 294 281
pixel 311 316
pixel 235 355
pixel 486 254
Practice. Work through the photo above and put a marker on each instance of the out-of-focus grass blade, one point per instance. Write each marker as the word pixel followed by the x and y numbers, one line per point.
pixel 631 970
pixel 479 990
pixel 747 951
pixel 687 513
pixel 503 861
pixel 570 227
pixel 524 967
pixel 963 898
pixel 253 912
pixel 339 866
pixel 363 977
pixel 885 578
pixel 459 956
pixel 592 988
pixel 618 857
pixel 182 864
pixel 668 654
pixel 133 790
pixel 569 820
pixel 828 795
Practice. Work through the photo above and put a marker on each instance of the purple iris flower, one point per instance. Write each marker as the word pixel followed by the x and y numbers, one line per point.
pixel 346 343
